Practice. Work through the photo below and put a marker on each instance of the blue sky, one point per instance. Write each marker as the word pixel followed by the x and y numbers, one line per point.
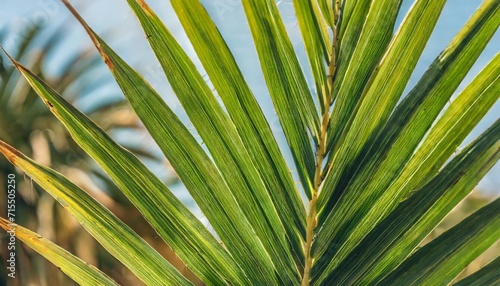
pixel 113 19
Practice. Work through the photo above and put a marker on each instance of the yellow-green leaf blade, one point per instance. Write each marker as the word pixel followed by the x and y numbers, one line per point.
pixel 77 269
pixel 117 238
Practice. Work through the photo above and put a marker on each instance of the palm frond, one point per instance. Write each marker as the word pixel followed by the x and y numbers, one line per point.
pixel 379 169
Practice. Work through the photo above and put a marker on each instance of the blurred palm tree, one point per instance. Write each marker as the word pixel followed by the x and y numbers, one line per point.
pixel 27 123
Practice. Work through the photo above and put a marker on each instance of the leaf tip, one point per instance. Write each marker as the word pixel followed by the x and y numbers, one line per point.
pixel 13 61
pixel 9 152
pixel 93 36
pixel 145 7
